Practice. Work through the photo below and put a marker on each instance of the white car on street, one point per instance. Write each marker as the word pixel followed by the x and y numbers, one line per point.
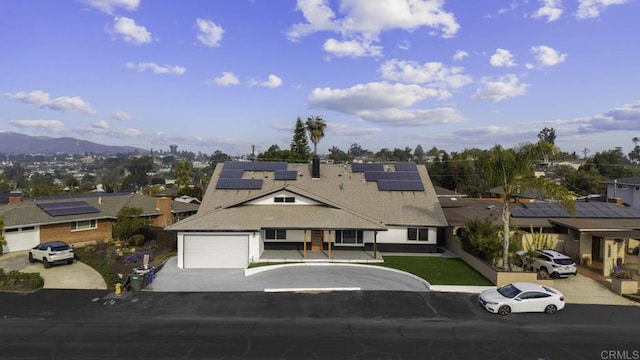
pixel 522 297
pixel 52 252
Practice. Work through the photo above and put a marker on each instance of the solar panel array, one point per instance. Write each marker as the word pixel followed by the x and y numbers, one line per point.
pixel 68 208
pixel 231 173
pixel 400 185
pixel 583 210
pixel 357 167
pixel 239 184
pixel 408 166
pixel 256 166
pixel 391 175
pixel 286 175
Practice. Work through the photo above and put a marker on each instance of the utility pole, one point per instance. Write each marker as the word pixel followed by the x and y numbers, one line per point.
pixel 585 152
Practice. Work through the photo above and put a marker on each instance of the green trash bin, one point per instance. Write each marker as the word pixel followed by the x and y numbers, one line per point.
pixel 136 281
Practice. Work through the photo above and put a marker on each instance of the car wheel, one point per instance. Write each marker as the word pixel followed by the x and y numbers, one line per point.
pixel 46 263
pixel 31 260
pixel 504 310
pixel 70 261
pixel 555 275
pixel 544 271
pixel 550 309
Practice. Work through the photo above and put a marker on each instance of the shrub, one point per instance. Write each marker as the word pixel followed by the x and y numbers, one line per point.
pixel 136 240
pixel 623 275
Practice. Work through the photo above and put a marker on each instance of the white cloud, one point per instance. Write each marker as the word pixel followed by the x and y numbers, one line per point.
pixel 551 9
pixel 273 82
pixel 53 126
pixel 340 129
pixel 227 79
pixel 127 132
pixel 459 55
pixel 547 56
pixel 626 117
pixel 209 34
pixel 130 31
pixel 502 58
pixel 430 73
pixel 108 6
pixel 351 48
pixel 121 115
pixel 157 69
pixel 102 124
pixel 371 96
pixel 404 45
pixel 494 133
pixel 592 8
pixel 364 20
pixel 413 117
pixel 503 88
pixel 40 98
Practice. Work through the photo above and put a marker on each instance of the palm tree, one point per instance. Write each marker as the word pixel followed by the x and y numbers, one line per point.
pixel 315 126
pixel 512 169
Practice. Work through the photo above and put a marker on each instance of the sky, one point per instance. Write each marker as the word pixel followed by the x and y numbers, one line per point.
pixel 230 75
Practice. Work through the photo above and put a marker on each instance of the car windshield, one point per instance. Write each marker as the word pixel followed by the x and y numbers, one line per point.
pixel 60 248
pixel 509 291
pixel 564 261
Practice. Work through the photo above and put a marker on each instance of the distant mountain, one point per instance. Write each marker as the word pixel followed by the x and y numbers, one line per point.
pixel 16 143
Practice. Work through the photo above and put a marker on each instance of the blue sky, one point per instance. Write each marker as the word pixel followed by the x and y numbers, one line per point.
pixel 229 74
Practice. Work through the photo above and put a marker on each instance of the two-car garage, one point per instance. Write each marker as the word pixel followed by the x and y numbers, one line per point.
pixel 211 250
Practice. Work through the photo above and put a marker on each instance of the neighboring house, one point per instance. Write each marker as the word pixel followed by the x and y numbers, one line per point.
pixel 81 218
pixel 625 191
pixel 250 207
pixel 599 231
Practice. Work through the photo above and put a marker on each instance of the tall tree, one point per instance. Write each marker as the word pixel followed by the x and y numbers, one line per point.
pixel 512 171
pixel 299 143
pixel 418 154
pixel 128 221
pixel 184 173
pixel 315 127
pixel 548 135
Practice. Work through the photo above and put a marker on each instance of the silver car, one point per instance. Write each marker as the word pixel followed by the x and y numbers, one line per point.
pixel 52 252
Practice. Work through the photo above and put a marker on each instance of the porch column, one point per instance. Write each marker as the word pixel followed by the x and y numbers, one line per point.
pixel 329 244
pixel 375 244
pixel 304 246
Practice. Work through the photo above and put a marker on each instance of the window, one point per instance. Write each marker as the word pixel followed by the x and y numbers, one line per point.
pixel 284 199
pixel 84 225
pixel 275 234
pixel 349 237
pixel 11 230
pixel 418 234
pixel 28 228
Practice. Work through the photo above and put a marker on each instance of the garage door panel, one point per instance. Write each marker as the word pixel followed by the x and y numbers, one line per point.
pixel 21 240
pixel 216 251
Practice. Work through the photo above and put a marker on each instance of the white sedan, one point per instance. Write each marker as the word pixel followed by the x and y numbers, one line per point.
pixel 522 297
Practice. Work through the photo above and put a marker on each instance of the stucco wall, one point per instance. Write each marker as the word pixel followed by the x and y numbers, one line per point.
pixel 63 232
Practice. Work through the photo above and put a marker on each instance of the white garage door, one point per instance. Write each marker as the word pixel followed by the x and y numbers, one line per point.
pixel 216 251
pixel 22 239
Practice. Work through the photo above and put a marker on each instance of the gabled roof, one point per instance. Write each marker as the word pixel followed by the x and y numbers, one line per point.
pixel 28 213
pixel 346 201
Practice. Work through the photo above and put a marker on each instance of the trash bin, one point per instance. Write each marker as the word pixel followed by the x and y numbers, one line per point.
pixel 136 281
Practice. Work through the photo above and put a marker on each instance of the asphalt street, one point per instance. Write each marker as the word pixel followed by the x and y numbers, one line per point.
pixel 93 324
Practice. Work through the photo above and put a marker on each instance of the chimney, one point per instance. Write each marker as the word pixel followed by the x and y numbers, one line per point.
pixel 163 204
pixel 14 199
pixel 315 168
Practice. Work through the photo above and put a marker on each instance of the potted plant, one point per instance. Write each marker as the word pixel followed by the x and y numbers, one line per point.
pixel 624 282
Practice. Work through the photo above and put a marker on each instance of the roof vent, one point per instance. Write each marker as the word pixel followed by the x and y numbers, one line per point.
pixel 315 167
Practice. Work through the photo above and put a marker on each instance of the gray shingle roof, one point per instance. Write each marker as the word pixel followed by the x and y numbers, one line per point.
pixel 347 201
pixel 27 212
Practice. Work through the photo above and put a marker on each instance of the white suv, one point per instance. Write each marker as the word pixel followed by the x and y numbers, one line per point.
pixel 51 252
pixel 554 263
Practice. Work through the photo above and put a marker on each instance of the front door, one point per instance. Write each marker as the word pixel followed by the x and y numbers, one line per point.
pixel 316 239
pixel 596 245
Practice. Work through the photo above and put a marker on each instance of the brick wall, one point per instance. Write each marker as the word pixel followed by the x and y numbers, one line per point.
pixel 63 232
pixel 163 204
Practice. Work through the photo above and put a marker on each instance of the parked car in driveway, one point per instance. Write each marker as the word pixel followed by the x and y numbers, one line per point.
pixel 551 262
pixel 522 297
pixel 52 252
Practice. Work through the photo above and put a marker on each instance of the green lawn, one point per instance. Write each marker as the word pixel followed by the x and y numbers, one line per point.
pixel 437 270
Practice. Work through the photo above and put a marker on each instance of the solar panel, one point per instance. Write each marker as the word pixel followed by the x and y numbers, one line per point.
pixel 391 175
pixel 400 185
pixel 239 184
pixel 583 210
pixel 235 165
pixel 231 173
pixel 67 208
pixel 265 166
pixel 361 167
pixel 286 175
pixel 408 166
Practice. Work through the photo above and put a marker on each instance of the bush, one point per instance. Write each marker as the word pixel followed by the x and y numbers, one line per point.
pixel 136 240
pixel 14 277
pixel 623 275
pixel 103 265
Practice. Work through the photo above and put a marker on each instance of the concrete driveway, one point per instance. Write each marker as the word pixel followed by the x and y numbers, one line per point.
pixel 75 276
pixel 290 277
pixel 584 290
